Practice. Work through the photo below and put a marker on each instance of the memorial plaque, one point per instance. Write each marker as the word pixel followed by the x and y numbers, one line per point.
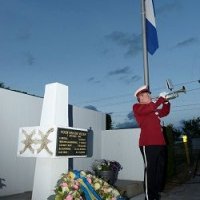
pixel 71 142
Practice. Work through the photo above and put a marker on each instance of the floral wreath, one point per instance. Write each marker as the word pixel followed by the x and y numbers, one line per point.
pixel 81 185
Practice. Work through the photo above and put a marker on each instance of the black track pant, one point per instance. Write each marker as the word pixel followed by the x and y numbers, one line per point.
pixel 154 170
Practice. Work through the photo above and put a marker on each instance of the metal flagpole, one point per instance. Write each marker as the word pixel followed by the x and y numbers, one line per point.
pixel 145 54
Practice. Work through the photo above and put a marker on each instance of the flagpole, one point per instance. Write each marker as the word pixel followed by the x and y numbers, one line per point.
pixel 145 54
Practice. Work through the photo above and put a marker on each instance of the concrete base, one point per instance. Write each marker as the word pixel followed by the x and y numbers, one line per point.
pixel 129 188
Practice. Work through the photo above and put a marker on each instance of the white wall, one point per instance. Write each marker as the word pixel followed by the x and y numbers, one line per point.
pixel 122 146
pixel 16 110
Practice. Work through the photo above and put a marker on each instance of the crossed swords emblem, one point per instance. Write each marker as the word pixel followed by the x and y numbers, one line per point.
pixel 29 141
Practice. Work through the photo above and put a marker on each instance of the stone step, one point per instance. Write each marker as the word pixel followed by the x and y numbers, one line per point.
pixel 129 188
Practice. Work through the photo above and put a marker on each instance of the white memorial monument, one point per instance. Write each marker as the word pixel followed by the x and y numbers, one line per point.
pixel 53 142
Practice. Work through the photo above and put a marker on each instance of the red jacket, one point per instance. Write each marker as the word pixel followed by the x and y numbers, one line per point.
pixel 148 119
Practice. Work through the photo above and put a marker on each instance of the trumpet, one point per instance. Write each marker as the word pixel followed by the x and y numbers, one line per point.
pixel 173 94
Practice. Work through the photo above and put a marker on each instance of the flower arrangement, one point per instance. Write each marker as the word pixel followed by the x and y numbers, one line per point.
pixel 81 185
pixel 107 170
pixel 106 165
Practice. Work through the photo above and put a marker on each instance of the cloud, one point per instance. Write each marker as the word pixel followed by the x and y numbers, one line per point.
pixel 24 36
pixel 124 70
pixel 130 122
pixel 91 107
pixel 130 116
pixel 93 80
pixel 106 51
pixel 130 41
pixel 90 79
pixel 124 74
pixel 130 79
pixel 125 125
pixel 168 7
pixel 30 59
pixel 187 42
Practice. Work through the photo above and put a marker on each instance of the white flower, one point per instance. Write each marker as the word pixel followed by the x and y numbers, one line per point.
pixel 99 167
pixel 97 186
pixel 82 173
pixel 115 192
pixel 109 190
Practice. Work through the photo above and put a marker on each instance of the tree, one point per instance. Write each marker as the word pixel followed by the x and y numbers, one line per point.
pixel 192 127
pixel 176 132
pixel 170 135
pixel 108 122
pixel 2 85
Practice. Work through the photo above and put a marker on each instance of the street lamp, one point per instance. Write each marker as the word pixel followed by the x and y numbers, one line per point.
pixel 185 142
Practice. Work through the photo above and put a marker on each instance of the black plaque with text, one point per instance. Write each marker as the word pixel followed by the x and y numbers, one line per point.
pixel 71 142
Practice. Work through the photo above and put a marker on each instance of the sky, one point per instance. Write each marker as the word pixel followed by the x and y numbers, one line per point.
pixel 95 48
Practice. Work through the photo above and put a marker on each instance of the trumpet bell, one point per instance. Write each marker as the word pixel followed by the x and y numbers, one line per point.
pixel 173 95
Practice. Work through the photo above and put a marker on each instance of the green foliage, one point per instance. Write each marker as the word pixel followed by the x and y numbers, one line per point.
pixel 191 127
pixel 176 132
pixel 177 157
pixel 106 165
pixel 169 136
pixel 108 122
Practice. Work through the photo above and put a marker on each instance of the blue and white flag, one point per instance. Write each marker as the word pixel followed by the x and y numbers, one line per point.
pixel 151 32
